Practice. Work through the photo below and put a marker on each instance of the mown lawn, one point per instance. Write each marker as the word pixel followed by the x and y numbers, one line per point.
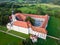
pixel 19 34
pixel 6 39
pixel 53 27
pixel 48 41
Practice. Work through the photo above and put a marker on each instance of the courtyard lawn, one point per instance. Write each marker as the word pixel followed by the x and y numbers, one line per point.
pixel 19 34
pixel 6 39
pixel 53 27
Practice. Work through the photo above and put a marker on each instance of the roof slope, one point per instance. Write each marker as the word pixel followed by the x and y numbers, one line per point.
pixel 21 24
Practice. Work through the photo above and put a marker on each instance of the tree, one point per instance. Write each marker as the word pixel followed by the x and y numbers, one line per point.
pixel 27 42
pixel 30 19
pixel 40 11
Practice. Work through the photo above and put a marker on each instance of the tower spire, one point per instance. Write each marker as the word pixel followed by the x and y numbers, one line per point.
pixel 13 15
pixel 12 7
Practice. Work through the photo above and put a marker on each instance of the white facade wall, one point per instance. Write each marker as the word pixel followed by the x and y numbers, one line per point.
pixel 30 31
pixel 20 29
pixel 43 36
pixel 41 19
pixel 9 26
pixel 40 35
pixel 13 18
pixel 27 31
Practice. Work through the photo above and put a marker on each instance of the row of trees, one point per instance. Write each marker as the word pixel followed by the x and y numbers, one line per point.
pixel 34 1
pixel 41 1
pixel 4 16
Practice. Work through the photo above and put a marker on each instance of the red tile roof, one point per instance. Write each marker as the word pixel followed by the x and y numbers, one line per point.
pixel 45 22
pixel 38 29
pixel 32 15
pixel 21 24
pixel 21 16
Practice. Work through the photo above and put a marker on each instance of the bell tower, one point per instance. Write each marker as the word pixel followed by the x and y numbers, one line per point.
pixel 13 16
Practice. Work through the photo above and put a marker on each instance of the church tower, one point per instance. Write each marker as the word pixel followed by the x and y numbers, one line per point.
pixel 13 17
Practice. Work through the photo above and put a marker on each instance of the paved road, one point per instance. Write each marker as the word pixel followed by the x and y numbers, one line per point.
pixel 13 35
pixel 53 37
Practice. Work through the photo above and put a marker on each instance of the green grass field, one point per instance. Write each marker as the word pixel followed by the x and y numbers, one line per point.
pixel 6 39
pixel 48 41
pixel 53 27
pixel 19 34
